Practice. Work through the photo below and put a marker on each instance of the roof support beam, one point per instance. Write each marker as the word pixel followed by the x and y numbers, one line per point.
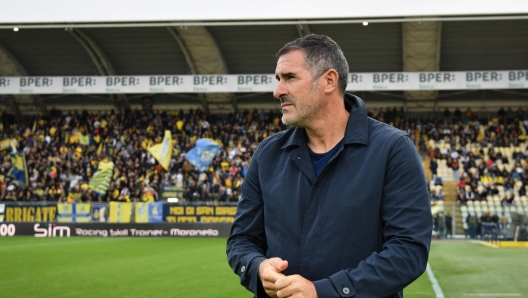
pixel 204 57
pixel 303 29
pixel 190 62
pixel 102 63
pixel 421 52
pixel 9 66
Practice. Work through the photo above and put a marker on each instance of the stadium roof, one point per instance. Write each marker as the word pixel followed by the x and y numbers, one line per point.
pixel 65 11
pixel 490 42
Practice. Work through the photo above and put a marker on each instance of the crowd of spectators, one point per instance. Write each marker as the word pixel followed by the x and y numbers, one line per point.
pixel 60 167
pixel 481 167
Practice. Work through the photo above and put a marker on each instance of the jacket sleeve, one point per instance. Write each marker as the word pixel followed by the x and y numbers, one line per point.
pixel 246 245
pixel 405 215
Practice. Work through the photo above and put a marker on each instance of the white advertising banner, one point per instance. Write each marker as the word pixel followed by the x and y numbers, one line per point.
pixel 456 80
pixel 381 81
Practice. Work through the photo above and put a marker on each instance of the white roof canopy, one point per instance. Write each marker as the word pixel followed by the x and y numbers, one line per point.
pixel 67 11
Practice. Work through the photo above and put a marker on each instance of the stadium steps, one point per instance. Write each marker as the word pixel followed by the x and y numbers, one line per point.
pixel 425 163
pixel 449 187
pixel 459 221
pixel 451 199
pixel 451 192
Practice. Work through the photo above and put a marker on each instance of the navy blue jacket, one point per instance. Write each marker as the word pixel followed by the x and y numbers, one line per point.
pixel 362 228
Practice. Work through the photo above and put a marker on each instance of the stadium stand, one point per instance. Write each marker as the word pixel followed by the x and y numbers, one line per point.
pixel 63 151
pixel 491 156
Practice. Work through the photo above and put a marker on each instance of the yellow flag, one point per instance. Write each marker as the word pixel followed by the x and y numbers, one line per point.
pixel 84 139
pixel 7 143
pixel 101 179
pixel 162 152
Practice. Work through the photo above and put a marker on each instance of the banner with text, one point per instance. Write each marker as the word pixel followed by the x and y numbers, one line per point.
pixel 116 212
pixel 171 191
pixel 203 214
pixel 30 213
pixel 389 81
pixel 45 230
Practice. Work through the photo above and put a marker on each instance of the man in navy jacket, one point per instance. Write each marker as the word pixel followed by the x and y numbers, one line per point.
pixel 336 206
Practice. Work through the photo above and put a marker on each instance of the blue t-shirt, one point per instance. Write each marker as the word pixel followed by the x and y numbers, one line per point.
pixel 319 160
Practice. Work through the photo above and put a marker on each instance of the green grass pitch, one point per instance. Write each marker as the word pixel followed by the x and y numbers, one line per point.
pixel 468 269
pixel 197 267
pixel 116 267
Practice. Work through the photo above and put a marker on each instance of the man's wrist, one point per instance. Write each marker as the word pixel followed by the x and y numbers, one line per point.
pixel 254 264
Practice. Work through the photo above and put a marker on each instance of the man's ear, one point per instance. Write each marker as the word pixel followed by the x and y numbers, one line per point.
pixel 331 80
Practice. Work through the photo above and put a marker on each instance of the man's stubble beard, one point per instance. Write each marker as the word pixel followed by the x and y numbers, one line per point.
pixel 310 107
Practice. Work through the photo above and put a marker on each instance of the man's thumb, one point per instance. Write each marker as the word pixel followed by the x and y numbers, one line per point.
pixel 279 263
pixel 282 265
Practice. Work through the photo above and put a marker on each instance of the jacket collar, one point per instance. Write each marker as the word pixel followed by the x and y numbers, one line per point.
pixel 357 125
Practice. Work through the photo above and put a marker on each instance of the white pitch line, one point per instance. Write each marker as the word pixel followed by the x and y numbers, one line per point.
pixel 58 242
pixel 434 282
pixel 419 293
pixel 493 294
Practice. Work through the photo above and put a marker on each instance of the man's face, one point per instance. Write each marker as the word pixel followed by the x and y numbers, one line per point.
pixel 297 90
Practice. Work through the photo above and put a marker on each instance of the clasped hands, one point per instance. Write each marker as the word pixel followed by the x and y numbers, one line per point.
pixel 279 285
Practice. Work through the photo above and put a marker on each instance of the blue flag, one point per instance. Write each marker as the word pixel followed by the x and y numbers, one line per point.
pixel 202 154
pixel 18 168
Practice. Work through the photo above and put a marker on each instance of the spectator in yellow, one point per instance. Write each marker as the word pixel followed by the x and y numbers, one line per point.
pixel 228 182
pixel 97 139
pixel 115 194
pixel 52 131
pixel 486 179
pixel 53 171
pixel 179 124
pixel 78 152
pixel 225 165
pixel 74 138
pixel 63 149
pixel 149 194
pixel 124 196
pixel 2 182
pixel 499 180
pixel 104 123
pixel 75 194
pixel 150 130
pixel 40 138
